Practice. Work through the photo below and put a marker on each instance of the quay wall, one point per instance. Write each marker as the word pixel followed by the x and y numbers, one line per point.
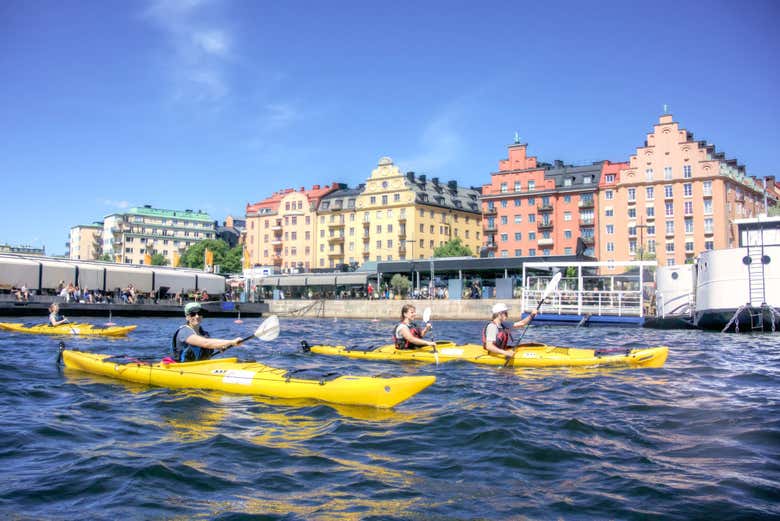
pixel 478 309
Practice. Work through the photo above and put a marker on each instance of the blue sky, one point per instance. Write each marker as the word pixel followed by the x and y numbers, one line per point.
pixel 212 104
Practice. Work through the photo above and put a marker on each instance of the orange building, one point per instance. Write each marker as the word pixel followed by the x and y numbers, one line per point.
pixel 281 230
pixel 535 209
pixel 676 198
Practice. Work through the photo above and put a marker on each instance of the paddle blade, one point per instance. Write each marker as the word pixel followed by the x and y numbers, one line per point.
pixel 551 286
pixel 427 315
pixel 269 329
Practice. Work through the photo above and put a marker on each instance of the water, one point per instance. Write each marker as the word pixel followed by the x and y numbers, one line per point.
pixel 698 439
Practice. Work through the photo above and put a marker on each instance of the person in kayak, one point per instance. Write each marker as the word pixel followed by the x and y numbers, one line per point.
pixel 497 333
pixel 191 342
pixel 55 319
pixel 407 335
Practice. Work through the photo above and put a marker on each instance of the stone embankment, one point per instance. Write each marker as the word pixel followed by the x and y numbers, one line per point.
pixel 478 309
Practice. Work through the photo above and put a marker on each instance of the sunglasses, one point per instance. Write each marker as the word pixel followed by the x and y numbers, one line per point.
pixel 194 313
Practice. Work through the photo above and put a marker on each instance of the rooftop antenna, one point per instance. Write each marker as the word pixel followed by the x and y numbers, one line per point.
pixel 666 108
pixel 517 138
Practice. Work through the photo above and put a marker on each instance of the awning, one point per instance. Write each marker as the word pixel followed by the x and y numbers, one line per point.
pixel 268 281
pixel 121 276
pixel 321 280
pixel 348 279
pixel 292 281
pixel 55 271
pixel 91 276
pixel 14 272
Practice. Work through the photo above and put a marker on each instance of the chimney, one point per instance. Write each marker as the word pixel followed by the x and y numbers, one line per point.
pixel 435 180
pixel 421 177
pixel 410 176
pixel 452 185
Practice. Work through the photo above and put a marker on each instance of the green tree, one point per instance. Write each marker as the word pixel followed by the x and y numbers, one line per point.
pixel 453 248
pixel 158 259
pixel 400 284
pixel 193 257
pixel 232 261
pixel 106 257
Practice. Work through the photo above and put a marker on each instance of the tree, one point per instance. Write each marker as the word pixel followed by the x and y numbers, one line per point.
pixel 232 263
pixel 106 257
pixel 193 257
pixel 400 284
pixel 453 248
pixel 158 259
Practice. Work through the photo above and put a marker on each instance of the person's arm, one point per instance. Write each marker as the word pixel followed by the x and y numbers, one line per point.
pixel 55 322
pixel 490 342
pixel 211 343
pixel 409 337
pixel 527 320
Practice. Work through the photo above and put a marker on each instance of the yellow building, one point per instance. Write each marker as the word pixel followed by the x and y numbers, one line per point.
pixel 407 216
pixel 86 242
pixel 339 232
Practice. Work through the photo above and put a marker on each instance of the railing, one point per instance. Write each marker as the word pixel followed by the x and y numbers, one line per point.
pixel 619 303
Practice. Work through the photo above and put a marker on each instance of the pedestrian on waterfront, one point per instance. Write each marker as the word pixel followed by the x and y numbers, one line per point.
pixel 407 334
pixel 55 319
pixel 497 334
pixel 191 342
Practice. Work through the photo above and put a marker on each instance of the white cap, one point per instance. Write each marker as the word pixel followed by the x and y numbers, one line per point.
pixel 500 307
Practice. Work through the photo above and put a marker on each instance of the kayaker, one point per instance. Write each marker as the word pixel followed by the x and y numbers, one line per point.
pixel 191 342
pixel 55 319
pixel 407 335
pixel 497 333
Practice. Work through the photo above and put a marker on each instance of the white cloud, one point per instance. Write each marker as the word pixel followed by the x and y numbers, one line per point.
pixel 201 48
pixel 440 141
pixel 116 204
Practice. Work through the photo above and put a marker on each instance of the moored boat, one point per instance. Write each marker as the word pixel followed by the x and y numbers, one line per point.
pixel 67 329
pixel 526 355
pixel 234 376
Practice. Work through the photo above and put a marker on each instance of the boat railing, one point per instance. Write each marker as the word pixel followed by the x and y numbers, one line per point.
pixel 596 302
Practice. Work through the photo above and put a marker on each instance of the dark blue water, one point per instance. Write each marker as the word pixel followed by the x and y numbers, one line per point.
pixel 698 439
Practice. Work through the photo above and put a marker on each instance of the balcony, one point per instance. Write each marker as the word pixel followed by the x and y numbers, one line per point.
pixel 336 225
pixel 545 242
pixel 276 242
pixel 490 228
pixel 632 201
pixel 588 241
pixel 491 246
pixel 366 253
pixel 401 236
pixel 491 211
pixel 276 260
pixel 366 224
pixel 366 238
pixel 586 222
pixel 401 218
pixel 586 203
pixel 276 228
pixel 333 239
pixel 339 253
pixel 544 208
pixel 544 225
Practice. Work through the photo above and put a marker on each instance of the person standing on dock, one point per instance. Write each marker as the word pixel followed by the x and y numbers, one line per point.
pixel 191 342
pixel 498 332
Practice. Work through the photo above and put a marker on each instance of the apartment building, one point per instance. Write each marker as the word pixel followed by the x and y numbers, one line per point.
pixel 86 242
pixel 339 236
pixel 407 216
pixel 131 237
pixel 538 209
pixel 676 198
pixel 281 229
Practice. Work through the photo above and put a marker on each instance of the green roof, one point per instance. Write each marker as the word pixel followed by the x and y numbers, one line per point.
pixel 160 212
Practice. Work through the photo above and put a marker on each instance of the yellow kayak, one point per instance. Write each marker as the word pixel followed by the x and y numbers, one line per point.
pixel 67 329
pixel 526 355
pixel 232 376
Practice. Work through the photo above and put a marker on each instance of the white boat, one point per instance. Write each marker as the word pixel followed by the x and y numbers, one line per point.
pixel 738 289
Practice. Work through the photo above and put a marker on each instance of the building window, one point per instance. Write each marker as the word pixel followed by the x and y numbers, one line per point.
pixel 609 212
pixel 609 178
pixel 504 203
pixel 504 237
pixel 707 187
pixel 688 207
pixel 531 217
pixel 567 234
pixel 567 251
pixel 531 236
pixel 650 229
pixel 632 194
pixel 668 191
pixel 687 189
pixel 687 172
pixel 587 179
pixel 503 188
pixel 708 225
pixel 648 174
pixel 632 213
pixel 669 208
pixel 567 216
pixel 505 253
pixel 688 225
pixel 650 211
pixel 518 186
pixel 518 253
pixel 688 246
pixel 649 193
pixel 610 229
pixel 610 246
pixel 396 197
pixel 567 181
pixel 670 227
pixel 609 195
pixel 567 199
pixel 518 219
pixel 708 207
pixel 632 246
pixel 531 201
pixel 518 236
pixel 531 185
pixel 669 247
pixel 532 252
pixel 504 219
pixel 709 245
